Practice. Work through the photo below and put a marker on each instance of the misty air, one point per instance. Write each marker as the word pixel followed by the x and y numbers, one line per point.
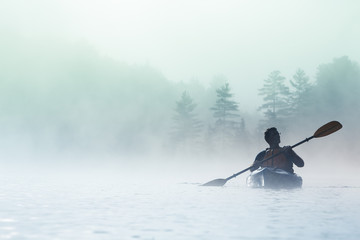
pixel 179 119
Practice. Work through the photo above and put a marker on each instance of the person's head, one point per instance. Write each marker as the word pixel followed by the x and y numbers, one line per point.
pixel 272 136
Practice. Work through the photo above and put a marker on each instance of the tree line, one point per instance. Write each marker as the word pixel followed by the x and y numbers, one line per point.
pixel 67 98
pixel 334 94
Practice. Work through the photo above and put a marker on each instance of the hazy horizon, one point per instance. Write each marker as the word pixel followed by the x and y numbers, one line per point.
pixel 113 113
pixel 69 68
pixel 185 40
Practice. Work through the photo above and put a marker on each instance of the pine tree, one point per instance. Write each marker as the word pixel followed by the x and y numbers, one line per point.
pixel 187 128
pixel 300 97
pixel 276 97
pixel 226 113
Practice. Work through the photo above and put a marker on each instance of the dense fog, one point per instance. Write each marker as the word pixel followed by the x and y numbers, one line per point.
pixel 195 89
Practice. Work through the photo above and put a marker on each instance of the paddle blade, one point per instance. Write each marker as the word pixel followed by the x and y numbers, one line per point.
pixel 328 129
pixel 216 183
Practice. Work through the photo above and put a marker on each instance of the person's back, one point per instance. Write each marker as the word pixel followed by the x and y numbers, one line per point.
pixel 284 160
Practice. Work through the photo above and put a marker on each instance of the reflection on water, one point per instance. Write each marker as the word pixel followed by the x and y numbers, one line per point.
pixel 54 210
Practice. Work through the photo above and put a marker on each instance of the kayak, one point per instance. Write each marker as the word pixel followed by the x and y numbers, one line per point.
pixel 268 177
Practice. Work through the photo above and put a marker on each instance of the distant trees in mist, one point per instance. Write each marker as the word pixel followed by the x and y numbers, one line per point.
pixel 223 134
pixel 300 96
pixel 226 115
pixel 295 105
pixel 276 99
pixel 187 128
pixel 334 94
pixel 284 100
pixel 70 99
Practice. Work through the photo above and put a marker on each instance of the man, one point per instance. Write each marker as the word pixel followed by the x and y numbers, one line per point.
pixel 283 161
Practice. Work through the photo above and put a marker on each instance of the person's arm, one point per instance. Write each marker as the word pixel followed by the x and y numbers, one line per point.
pixel 258 158
pixel 290 154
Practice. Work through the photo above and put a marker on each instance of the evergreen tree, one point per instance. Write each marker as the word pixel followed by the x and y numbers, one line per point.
pixel 187 128
pixel 226 113
pixel 300 98
pixel 276 97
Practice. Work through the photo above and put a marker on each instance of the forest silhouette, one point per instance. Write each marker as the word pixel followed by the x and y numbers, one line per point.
pixel 69 98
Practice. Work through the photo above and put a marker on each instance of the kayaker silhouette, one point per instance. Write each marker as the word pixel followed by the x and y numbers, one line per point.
pixel 276 177
pixel 283 161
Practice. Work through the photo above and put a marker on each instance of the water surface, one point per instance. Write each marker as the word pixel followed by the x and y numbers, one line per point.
pixel 43 209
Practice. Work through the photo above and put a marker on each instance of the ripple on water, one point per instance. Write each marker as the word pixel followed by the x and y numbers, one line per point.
pixel 180 211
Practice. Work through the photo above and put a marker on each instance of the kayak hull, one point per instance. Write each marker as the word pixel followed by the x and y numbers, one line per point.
pixel 273 178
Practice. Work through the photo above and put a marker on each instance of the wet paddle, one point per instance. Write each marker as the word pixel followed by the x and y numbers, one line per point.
pixel 323 131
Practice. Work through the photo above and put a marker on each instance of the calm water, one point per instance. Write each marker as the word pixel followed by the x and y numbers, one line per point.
pixel 43 209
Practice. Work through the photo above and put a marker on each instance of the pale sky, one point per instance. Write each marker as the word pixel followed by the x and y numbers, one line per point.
pixel 244 40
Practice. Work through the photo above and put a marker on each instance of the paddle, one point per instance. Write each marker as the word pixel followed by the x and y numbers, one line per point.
pixel 323 131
